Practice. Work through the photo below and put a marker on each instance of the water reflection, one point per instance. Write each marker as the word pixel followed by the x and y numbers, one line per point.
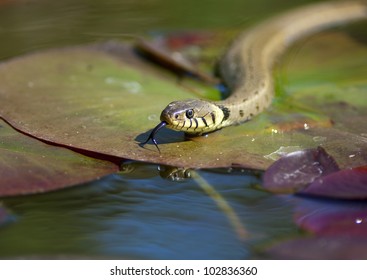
pixel 175 173
pixel 138 214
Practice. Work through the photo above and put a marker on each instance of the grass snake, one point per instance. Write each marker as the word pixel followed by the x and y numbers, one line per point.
pixel 246 68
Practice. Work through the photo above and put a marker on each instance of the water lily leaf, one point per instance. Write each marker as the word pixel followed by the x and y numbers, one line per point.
pixel 331 218
pixel 296 170
pixel 344 184
pixel 338 230
pixel 320 248
pixel 100 101
pixel 179 51
pixel 29 166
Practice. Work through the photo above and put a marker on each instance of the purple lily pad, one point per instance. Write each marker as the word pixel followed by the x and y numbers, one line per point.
pixel 298 169
pixel 350 223
pixel 339 231
pixel 318 248
pixel 344 184
pixel 332 218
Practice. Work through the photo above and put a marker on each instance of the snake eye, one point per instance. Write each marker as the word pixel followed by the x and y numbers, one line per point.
pixel 189 113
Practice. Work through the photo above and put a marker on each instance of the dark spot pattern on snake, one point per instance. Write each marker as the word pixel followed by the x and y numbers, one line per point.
pixel 226 112
pixel 196 123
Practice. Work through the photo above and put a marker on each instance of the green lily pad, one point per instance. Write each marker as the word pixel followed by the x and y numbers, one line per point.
pixel 29 166
pixel 96 100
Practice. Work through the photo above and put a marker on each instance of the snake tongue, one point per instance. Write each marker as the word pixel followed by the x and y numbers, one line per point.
pixel 153 133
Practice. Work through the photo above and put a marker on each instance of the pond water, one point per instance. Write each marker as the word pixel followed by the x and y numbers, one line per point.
pixel 139 213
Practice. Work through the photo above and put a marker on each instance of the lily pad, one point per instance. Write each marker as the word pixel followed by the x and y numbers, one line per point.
pixel 321 248
pixel 296 170
pixel 173 51
pixel 331 217
pixel 29 166
pixel 97 100
pixel 344 184
pixel 338 230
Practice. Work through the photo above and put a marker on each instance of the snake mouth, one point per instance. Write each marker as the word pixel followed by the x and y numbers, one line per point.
pixel 166 117
pixel 153 133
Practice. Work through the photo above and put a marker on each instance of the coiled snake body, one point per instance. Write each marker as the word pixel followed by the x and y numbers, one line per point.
pixel 246 68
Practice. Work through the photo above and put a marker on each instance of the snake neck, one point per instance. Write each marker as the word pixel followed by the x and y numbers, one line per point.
pixel 240 107
pixel 247 65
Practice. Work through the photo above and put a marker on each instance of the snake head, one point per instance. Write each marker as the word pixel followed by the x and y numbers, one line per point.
pixel 190 116
pixel 193 116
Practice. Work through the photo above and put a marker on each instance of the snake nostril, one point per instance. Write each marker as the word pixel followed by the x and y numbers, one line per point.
pixel 176 116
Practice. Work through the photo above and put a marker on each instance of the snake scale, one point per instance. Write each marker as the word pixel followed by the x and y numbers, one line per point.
pixel 246 68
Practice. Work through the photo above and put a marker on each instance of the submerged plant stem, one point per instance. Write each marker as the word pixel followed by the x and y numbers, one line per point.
pixel 223 206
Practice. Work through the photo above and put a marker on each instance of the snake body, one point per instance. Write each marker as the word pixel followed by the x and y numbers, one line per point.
pixel 246 68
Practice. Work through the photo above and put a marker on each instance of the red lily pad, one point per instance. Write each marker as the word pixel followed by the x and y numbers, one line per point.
pixel 331 218
pixel 344 184
pixel 296 170
pixel 338 228
pixel 338 223
pixel 320 248
pixel 29 166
